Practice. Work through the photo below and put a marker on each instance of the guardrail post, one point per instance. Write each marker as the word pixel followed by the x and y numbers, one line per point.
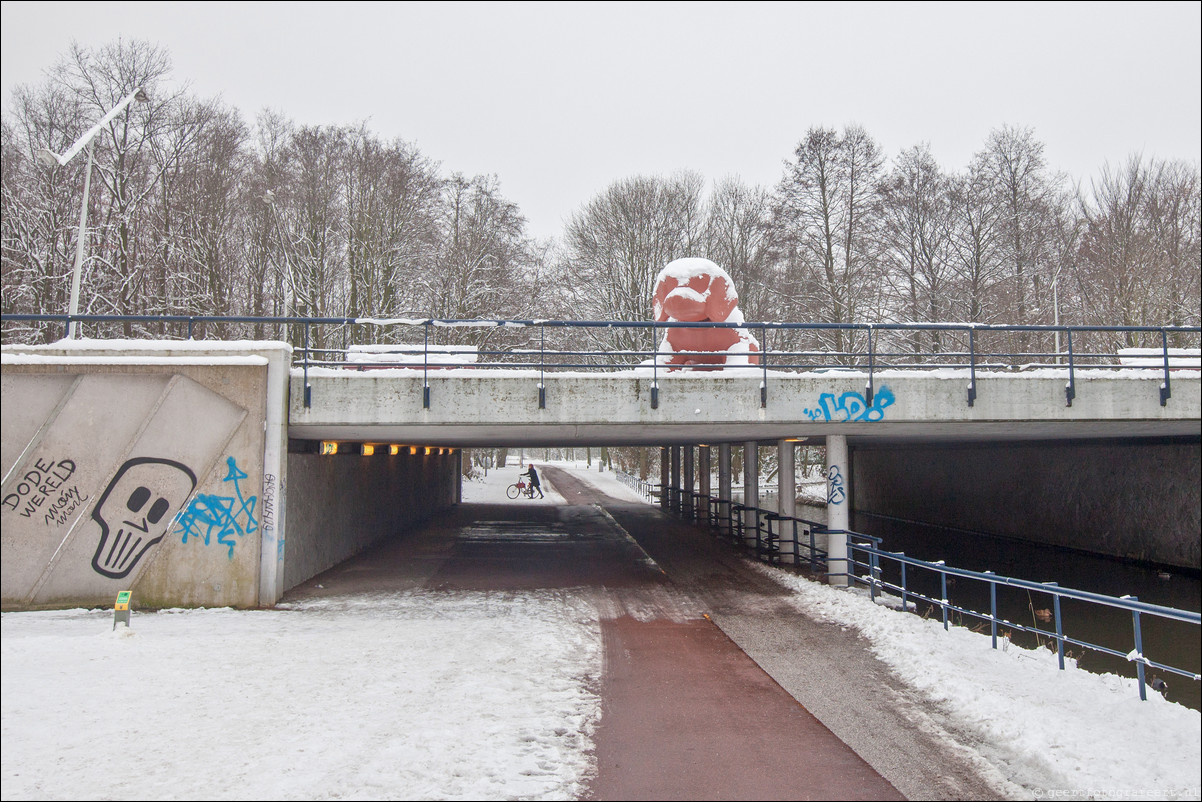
pixel 943 594
pixel 874 566
pixel 1165 390
pixel 905 588
pixel 1059 629
pixel 972 366
pixel 1139 652
pixel 654 370
pixel 993 611
pixel 542 345
pixel 868 388
pixel 308 387
pixel 764 366
pixel 1070 389
pixel 426 365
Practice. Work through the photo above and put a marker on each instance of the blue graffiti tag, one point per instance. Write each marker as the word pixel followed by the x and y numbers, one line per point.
pixel 230 517
pixel 852 406
pixel 836 493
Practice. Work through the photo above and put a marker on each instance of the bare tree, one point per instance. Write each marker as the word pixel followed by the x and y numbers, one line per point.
pixel 1138 259
pixel 977 257
pixel 916 242
pixel 737 235
pixel 40 206
pixel 617 243
pixel 824 218
pixel 394 205
pixel 485 266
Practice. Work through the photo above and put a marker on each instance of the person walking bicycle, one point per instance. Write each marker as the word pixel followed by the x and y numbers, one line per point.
pixel 534 483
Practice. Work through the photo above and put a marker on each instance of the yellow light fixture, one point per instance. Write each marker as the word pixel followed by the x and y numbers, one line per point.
pixel 367 449
pixel 394 449
pixel 429 450
pixel 413 450
pixel 328 447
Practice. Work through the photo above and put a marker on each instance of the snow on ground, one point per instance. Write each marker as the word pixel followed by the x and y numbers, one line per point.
pixel 478 695
pixel 1089 733
pixel 410 696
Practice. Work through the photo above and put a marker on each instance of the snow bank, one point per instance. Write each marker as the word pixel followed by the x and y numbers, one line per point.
pixel 1068 734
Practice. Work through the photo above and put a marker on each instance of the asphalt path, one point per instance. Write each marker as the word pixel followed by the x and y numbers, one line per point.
pixel 713 687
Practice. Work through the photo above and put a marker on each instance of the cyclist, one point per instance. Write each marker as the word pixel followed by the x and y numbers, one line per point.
pixel 534 483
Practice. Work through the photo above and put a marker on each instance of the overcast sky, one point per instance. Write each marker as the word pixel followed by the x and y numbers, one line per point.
pixel 560 100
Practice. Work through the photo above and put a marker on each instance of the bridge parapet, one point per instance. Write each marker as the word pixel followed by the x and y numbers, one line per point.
pixel 481 407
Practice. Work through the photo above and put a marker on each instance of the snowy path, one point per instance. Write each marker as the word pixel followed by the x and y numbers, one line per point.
pixel 422 684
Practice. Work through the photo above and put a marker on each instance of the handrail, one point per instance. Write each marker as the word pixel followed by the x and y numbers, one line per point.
pixel 870 359
pixel 871 548
pixel 865 552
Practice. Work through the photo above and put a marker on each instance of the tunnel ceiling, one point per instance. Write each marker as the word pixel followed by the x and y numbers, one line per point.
pixel 548 436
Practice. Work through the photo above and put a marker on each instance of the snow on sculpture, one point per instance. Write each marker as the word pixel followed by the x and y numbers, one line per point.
pixel 697 290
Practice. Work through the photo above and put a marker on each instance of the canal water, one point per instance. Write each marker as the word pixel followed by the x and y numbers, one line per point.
pixel 1167 642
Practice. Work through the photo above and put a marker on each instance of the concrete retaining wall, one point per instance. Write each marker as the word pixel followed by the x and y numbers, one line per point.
pixel 341 504
pixel 133 472
pixel 1137 500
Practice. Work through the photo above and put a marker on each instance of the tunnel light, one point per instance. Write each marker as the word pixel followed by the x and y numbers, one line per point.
pixel 413 450
pixel 328 447
pixel 367 449
pixel 429 451
pixel 394 449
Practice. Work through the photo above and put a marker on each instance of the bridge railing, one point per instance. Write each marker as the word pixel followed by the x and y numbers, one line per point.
pixel 868 564
pixel 552 346
pixel 896 579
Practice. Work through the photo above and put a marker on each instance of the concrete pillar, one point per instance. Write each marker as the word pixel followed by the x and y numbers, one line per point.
pixel 664 477
pixel 703 483
pixel 751 490
pixel 786 502
pixel 674 490
pixel 457 484
pixel 724 480
pixel 687 500
pixel 838 504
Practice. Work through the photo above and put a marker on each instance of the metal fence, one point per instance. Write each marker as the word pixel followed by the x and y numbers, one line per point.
pixel 548 346
pixel 767 535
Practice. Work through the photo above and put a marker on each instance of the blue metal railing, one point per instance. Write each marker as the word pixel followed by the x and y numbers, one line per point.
pixel 773 534
pixel 535 354
pixel 865 554
pixel 641 486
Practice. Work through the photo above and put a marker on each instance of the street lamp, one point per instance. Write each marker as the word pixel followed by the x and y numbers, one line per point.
pixel 50 158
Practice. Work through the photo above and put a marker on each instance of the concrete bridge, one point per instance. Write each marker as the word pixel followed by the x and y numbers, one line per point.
pixel 192 471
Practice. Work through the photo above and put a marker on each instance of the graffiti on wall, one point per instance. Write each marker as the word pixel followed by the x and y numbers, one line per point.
pixel 46 480
pixel 225 519
pixel 133 517
pixel 836 493
pixel 852 406
pixel 268 513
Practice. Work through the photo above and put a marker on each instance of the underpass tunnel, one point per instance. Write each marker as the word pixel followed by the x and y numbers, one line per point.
pixel 346 496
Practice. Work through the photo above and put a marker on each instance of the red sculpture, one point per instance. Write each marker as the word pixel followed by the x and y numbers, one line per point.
pixel 697 290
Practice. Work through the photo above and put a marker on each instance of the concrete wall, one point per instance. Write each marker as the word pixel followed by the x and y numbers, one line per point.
pixel 1130 499
pixel 130 472
pixel 341 504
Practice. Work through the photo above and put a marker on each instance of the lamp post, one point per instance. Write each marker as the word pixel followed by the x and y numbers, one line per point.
pixel 50 158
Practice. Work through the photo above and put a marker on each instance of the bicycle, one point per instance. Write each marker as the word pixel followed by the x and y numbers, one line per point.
pixel 520 488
